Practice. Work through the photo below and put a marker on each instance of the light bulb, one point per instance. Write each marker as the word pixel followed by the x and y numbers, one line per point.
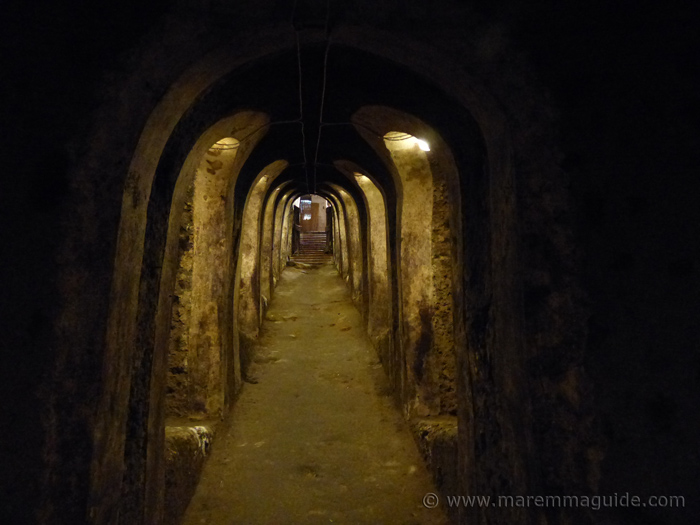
pixel 423 145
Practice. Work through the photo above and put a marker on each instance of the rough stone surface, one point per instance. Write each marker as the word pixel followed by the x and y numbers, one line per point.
pixel 186 449
pixel 437 441
pixel 177 397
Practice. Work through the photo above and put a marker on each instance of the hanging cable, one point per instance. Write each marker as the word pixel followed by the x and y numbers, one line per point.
pixel 323 100
pixel 299 120
pixel 301 110
pixel 301 97
pixel 323 89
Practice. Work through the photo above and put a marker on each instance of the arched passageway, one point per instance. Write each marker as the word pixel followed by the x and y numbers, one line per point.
pixel 402 198
pixel 222 205
pixel 413 164
pixel 394 216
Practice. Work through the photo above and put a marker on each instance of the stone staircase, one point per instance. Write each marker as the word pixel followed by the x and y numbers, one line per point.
pixel 312 247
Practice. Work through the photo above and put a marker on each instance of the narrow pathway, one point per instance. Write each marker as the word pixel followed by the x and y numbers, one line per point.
pixel 317 438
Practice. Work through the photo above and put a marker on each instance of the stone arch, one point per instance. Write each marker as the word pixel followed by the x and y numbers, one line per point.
pixel 498 191
pixel 354 241
pixel 246 298
pixel 426 234
pixel 136 397
pixel 277 266
pixel 266 246
pixel 379 311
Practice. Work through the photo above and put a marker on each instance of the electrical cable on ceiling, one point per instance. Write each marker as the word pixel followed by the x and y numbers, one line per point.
pixel 323 100
pixel 323 89
pixel 301 100
pixel 300 119
pixel 301 111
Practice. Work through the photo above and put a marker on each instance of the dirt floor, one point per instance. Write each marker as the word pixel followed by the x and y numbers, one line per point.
pixel 317 438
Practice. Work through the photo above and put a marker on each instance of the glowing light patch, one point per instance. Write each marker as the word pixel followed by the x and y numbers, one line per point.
pixel 423 145
pixel 226 143
pixel 398 137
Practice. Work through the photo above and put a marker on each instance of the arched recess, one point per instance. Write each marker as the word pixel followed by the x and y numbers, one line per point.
pixel 355 238
pixel 428 231
pixel 247 316
pixel 285 247
pixel 338 239
pixel 278 264
pixel 134 395
pixel 429 272
pixel 266 248
pixel 194 386
pixel 481 235
pixel 379 315
pixel 344 263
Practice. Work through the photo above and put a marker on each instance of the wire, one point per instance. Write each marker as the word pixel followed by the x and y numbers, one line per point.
pixel 301 109
pixel 301 97
pixel 300 119
pixel 323 89
pixel 323 101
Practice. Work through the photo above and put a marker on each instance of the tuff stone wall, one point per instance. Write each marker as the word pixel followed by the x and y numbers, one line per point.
pixel 443 322
pixel 186 449
pixel 266 269
pixel 177 395
pixel 379 314
pixel 248 289
pixel 208 277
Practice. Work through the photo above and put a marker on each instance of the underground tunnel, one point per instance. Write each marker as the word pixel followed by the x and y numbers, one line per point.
pixel 222 222
pixel 304 261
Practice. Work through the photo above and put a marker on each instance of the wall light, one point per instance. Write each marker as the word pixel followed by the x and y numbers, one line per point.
pixel 423 145
pixel 407 138
pixel 225 144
